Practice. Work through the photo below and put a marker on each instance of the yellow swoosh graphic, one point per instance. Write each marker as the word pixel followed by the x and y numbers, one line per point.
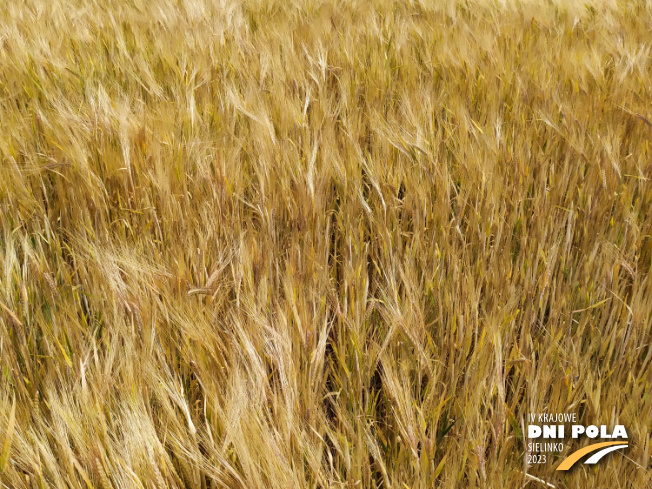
pixel 575 456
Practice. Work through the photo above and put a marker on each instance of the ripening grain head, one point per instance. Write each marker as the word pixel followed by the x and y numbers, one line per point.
pixel 252 244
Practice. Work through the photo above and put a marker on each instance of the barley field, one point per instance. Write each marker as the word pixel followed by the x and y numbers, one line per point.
pixel 321 243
